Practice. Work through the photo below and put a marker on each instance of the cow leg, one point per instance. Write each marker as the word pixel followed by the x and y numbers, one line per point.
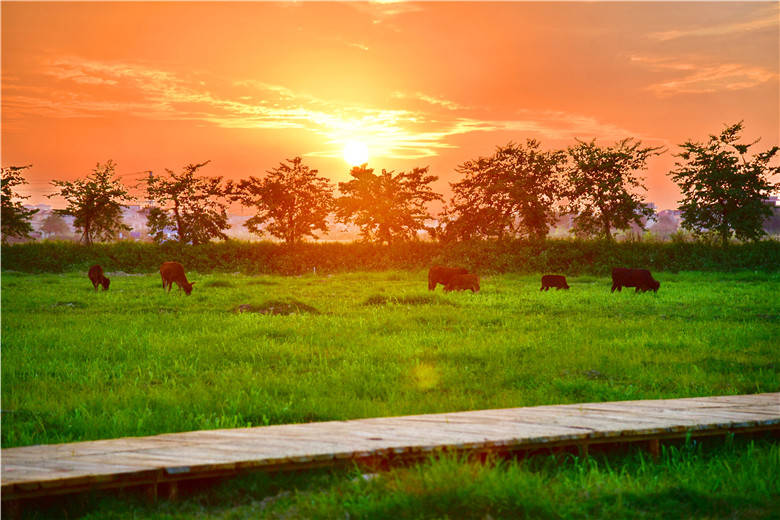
pixel 613 288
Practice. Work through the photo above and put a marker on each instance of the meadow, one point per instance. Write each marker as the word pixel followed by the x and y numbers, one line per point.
pixel 256 350
pixel 253 350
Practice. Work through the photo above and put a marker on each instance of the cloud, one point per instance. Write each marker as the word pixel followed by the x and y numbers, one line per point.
pixel 404 130
pixel 769 18
pixel 449 105
pixel 698 78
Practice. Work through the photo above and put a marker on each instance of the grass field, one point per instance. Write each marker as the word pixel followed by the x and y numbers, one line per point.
pixel 242 350
pixel 79 364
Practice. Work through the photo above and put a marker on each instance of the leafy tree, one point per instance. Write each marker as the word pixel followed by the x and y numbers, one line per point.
pixel 386 207
pixel 512 192
pixel 601 186
pixel 15 218
pixel 95 202
pixel 55 225
pixel 194 207
pixel 292 202
pixel 724 190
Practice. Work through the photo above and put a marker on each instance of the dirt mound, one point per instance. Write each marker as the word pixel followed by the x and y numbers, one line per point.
pixel 277 307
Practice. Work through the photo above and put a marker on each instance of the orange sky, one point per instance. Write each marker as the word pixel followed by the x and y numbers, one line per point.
pixel 246 85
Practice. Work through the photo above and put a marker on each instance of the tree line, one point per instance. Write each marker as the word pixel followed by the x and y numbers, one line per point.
pixel 518 191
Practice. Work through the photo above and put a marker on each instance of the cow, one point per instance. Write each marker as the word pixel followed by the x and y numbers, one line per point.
pixel 439 274
pixel 97 278
pixel 639 278
pixel 554 280
pixel 462 282
pixel 174 272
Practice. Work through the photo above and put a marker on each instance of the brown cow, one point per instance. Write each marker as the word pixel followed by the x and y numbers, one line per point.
pixel 639 278
pixel 462 282
pixel 97 278
pixel 438 274
pixel 553 280
pixel 174 272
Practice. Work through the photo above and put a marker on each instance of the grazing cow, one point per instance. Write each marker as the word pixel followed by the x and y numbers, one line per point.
pixel 174 272
pixel 461 282
pixel 97 278
pixel 639 278
pixel 553 280
pixel 440 274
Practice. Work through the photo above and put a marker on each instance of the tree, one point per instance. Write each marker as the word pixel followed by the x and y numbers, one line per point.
pixel 601 185
pixel 723 190
pixel 15 218
pixel 54 225
pixel 194 207
pixel 386 207
pixel 95 202
pixel 292 202
pixel 512 192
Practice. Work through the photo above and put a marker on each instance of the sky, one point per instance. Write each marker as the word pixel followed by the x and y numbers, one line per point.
pixel 246 85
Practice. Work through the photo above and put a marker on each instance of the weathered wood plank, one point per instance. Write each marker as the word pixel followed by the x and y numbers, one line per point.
pixel 38 470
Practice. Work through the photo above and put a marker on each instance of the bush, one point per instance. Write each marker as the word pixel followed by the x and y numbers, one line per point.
pixel 573 257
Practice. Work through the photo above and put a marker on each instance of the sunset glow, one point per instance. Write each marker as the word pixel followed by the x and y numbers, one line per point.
pixel 402 84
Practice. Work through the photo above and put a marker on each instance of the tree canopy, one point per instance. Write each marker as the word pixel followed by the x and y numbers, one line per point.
pixel 15 218
pixel 292 202
pixel 512 192
pixel 95 202
pixel 54 225
pixel 602 185
pixel 724 190
pixel 386 207
pixel 194 207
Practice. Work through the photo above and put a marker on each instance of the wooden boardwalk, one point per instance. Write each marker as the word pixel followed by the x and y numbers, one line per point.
pixel 163 460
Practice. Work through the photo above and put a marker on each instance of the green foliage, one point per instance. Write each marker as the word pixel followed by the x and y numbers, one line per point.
pixel 511 193
pixel 95 202
pixel 55 225
pixel 193 206
pixel 292 202
pixel 601 185
pixel 480 256
pixel 723 191
pixel 15 218
pixel 387 208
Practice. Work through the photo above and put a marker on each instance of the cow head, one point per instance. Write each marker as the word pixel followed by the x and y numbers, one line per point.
pixel 187 287
pixel 105 282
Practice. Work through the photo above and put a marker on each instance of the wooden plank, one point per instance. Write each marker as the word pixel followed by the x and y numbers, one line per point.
pixel 36 470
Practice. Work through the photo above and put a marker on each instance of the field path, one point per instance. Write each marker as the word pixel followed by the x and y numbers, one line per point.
pixel 160 461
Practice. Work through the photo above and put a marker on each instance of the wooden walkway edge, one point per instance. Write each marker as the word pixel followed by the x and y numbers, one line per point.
pixel 43 470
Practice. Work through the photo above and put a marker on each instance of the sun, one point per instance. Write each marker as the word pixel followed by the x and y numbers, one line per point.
pixel 355 153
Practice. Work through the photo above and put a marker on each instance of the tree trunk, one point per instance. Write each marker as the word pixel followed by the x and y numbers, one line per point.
pixel 179 224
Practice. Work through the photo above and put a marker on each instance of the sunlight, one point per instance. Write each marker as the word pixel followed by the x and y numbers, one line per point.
pixel 355 153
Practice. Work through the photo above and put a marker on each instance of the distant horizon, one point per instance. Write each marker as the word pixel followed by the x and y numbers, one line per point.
pixel 399 85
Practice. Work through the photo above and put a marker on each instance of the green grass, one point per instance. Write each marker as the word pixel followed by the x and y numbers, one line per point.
pixel 243 350
pixel 79 364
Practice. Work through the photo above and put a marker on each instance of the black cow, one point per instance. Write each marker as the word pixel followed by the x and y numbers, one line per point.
pixel 639 278
pixel 553 280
